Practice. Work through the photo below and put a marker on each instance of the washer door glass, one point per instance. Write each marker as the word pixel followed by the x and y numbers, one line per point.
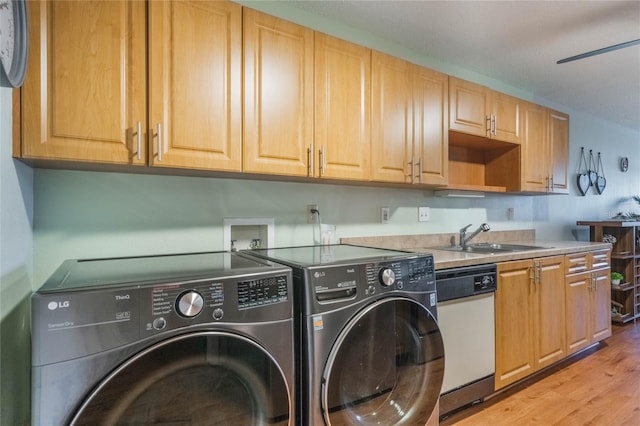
pixel 203 378
pixel 386 367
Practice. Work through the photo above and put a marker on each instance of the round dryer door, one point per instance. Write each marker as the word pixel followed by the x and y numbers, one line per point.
pixel 386 367
pixel 204 378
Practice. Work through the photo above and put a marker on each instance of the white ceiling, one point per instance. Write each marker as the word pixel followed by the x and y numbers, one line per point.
pixel 518 43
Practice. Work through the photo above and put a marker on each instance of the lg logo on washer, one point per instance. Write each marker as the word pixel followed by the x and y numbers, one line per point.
pixel 58 305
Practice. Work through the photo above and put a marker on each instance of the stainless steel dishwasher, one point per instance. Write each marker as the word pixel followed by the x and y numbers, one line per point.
pixel 466 321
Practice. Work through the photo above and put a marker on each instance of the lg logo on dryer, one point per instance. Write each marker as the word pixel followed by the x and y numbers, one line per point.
pixel 58 305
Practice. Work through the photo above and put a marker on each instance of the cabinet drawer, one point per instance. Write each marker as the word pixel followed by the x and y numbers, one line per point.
pixel 600 259
pixel 576 262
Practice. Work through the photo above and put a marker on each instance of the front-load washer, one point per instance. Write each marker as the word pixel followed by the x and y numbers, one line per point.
pixel 183 339
pixel 369 346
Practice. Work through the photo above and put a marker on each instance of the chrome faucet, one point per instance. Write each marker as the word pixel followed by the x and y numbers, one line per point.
pixel 464 238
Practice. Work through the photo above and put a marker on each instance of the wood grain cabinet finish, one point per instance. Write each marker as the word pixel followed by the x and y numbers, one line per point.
pixel 342 142
pixel 278 95
pixel 479 111
pixel 535 150
pixel 409 138
pixel 530 317
pixel 558 124
pixel 588 298
pixel 84 98
pixel 195 74
pixel 545 149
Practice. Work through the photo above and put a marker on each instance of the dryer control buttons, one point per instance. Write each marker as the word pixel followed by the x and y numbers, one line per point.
pixel 159 323
pixel 387 277
pixel 218 314
pixel 189 304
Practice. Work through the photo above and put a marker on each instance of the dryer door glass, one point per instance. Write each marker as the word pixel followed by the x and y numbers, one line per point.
pixel 202 378
pixel 386 367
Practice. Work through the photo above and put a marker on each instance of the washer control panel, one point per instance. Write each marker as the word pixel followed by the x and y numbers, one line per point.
pixel 237 300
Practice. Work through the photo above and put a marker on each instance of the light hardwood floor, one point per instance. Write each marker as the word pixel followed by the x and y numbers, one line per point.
pixel 598 387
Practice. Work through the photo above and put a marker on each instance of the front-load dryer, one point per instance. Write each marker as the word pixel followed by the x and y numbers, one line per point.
pixel 185 339
pixel 369 347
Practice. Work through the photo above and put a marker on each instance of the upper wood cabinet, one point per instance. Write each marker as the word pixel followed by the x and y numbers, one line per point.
pixel 391 125
pixel 545 149
pixel 84 97
pixel 430 135
pixel 342 143
pixel 559 148
pixel 535 152
pixel 195 83
pixel 86 100
pixel 479 111
pixel 278 95
pixel 409 137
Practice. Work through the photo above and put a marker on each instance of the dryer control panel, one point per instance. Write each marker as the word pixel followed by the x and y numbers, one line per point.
pixel 345 283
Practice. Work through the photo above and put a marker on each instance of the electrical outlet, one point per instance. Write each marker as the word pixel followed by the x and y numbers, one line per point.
pixel 313 216
pixel 510 213
pixel 384 214
pixel 424 214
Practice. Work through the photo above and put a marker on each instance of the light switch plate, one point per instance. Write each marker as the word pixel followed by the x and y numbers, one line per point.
pixel 384 214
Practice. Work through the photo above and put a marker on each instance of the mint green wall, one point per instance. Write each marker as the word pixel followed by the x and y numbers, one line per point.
pixel 82 214
pixel 16 271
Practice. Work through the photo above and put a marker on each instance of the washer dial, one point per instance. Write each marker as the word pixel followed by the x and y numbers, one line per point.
pixel 387 277
pixel 189 304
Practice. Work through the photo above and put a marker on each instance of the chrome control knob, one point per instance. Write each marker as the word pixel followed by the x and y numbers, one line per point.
pixel 387 277
pixel 189 304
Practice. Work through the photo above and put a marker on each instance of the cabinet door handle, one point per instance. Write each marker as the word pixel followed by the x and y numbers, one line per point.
pixel 488 127
pixel 419 175
pixel 493 124
pixel 410 175
pixel 311 161
pixel 532 278
pixel 160 141
pixel 322 160
pixel 551 183
pixel 139 140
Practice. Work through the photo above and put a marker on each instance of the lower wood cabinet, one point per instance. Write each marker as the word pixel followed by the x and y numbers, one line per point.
pixel 548 308
pixel 530 317
pixel 588 299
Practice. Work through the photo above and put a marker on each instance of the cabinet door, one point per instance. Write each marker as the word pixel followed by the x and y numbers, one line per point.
pixel 578 307
pixel 195 84
pixel 601 302
pixel 467 107
pixel 559 146
pixel 391 127
pixel 534 149
pixel 342 109
pixel 506 117
pixel 430 134
pixel 278 95
pixel 549 319
pixel 515 356
pixel 85 90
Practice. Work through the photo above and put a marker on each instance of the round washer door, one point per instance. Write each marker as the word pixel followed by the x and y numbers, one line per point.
pixel 205 378
pixel 385 368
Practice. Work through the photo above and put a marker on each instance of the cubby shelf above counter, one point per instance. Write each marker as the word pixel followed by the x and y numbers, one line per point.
pixel 345 113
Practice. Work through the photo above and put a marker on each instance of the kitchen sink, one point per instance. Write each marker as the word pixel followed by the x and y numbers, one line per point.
pixel 491 248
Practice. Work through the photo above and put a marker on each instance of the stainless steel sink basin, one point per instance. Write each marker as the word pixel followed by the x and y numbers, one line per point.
pixel 491 248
